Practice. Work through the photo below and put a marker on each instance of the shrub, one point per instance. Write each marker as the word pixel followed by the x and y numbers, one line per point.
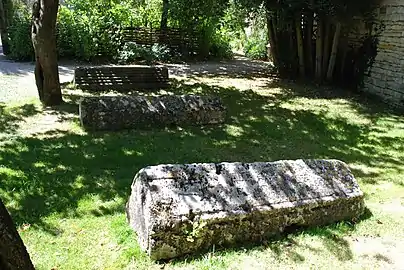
pixel 75 39
pixel 133 52
pixel 221 48
pixel 21 48
pixel 256 49
pixel 161 52
pixel 89 34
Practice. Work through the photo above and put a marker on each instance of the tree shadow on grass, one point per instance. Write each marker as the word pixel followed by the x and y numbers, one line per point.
pixel 10 119
pixel 364 103
pixel 40 176
pixel 48 175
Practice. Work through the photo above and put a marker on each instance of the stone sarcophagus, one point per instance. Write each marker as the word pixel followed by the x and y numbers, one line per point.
pixel 182 209
pixel 131 112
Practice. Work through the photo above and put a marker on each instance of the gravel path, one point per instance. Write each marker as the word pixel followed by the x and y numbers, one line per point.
pixel 17 80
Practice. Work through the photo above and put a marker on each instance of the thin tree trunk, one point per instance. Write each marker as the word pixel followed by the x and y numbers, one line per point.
pixel 272 41
pixel 319 48
pixel 327 46
pixel 344 46
pixel 309 43
pixel 164 15
pixel 4 26
pixel 300 47
pixel 276 34
pixel 334 51
pixel 44 15
pixel 309 37
pixel 13 254
pixel 292 49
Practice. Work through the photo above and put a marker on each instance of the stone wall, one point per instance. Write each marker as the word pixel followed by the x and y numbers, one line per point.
pixel 386 78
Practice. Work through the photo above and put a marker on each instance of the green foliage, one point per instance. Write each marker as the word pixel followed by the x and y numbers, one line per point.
pixel 256 37
pixel 232 26
pixel 256 49
pixel 220 47
pixel 133 52
pixel 202 17
pixel 20 35
pixel 74 35
pixel 87 32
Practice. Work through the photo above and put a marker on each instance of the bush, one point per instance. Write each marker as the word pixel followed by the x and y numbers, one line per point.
pixel 256 49
pixel 133 52
pixel 221 48
pixel 89 34
pixel 75 39
pixel 161 52
pixel 21 47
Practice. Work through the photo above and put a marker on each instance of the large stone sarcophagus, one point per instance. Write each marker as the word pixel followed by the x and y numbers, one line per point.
pixel 182 209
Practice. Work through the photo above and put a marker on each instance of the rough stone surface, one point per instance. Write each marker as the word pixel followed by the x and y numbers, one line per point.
pixel 181 209
pixel 130 112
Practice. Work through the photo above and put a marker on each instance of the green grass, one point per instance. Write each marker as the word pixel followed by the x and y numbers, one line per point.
pixel 66 189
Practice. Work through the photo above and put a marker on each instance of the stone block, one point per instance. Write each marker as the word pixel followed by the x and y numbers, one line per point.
pixel 132 112
pixel 181 209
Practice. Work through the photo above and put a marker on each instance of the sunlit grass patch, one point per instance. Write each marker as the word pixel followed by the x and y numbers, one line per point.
pixel 66 188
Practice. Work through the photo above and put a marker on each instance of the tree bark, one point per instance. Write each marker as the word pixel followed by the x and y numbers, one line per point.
pixel 272 41
pixel 300 47
pixel 327 46
pixel 294 65
pixel 319 48
pixel 44 15
pixel 164 15
pixel 13 254
pixel 4 14
pixel 309 42
pixel 344 48
pixel 334 51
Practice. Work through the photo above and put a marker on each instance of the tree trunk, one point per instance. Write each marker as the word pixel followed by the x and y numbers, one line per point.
pixel 4 26
pixel 294 65
pixel 319 48
pixel 327 46
pixel 272 41
pixel 164 15
pixel 334 51
pixel 300 48
pixel 344 48
pixel 44 15
pixel 13 254
pixel 309 37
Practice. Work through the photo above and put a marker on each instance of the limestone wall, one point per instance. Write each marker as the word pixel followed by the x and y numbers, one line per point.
pixel 387 73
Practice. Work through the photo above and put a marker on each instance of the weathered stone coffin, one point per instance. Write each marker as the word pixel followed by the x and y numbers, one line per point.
pixel 131 112
pixel 182 209
pixel 121 78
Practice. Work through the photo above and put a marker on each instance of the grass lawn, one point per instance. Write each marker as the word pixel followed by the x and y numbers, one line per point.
pixel 66 189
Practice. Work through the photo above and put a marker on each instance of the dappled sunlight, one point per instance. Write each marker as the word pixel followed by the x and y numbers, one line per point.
pixel 71 183
pixel 74 163
pixel 131 152
pixel 234 131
